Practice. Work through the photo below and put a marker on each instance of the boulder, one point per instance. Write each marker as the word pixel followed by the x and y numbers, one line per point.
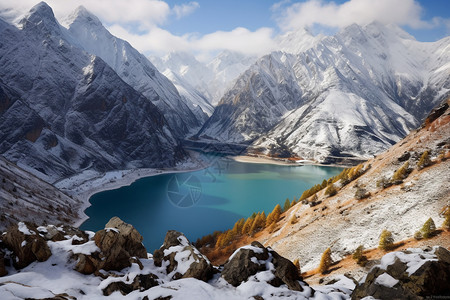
pixel 26 244
pixel 64 232
pixel 86 264
pixel 240 266
pixel 133 239
pixel 118 242
pixel 182 259
pixel 411 274
pixel 249 260
pixel 141 282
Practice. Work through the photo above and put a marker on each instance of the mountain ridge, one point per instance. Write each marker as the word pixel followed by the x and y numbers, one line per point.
pixel 82 114
pixel 373 84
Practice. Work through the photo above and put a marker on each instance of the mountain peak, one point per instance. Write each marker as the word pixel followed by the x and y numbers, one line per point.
pixel 41 17
pixel 81 14
pixel 297 41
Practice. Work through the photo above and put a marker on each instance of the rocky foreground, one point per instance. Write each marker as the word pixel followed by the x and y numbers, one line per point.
pixel 49 262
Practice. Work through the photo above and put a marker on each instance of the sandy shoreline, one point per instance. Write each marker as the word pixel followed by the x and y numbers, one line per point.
pixel 271 161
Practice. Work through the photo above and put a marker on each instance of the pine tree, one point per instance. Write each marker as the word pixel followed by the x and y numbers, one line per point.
pixel 237 228
pixel 424 160
pixel 247 225
pixel 287 205
pixel 358 255
pixel 325 261
pixel 296 263
pixel 294 202
pixel 258 223
pixel 331 190
pixel 274 216
pixel 428 229
pixel 401 173
pixel 386 240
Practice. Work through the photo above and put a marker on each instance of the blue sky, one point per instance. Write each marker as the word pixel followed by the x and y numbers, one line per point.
pixel 248 26
pixel 211 16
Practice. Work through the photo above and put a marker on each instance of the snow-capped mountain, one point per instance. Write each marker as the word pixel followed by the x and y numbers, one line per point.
pixel 135 69
pixel 64 110
pixel 210 79
pixel 352 94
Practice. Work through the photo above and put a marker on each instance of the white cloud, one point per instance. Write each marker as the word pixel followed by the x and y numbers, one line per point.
pixel 318 12
pixel 185 9
pixel 239 39
pixel 161 41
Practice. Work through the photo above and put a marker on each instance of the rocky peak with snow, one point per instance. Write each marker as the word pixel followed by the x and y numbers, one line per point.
pixel 353 94
pixel 210 78
pixel 135 69
pixel 65 110
pixel 40 18
pixel 297 41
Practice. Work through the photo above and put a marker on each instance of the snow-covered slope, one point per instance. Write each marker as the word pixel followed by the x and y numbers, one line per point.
pixel 64 110
pixel 210 79
pixel 343 222
pixel 135 69
pixel 24 197
pixel 352 94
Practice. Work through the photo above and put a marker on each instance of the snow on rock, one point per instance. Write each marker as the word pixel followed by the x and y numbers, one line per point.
pixel 407 275
pixel 386 280
pixel 134 68
pixel 144 278
pixel 340 97
pixel 180 259
pixel 22 227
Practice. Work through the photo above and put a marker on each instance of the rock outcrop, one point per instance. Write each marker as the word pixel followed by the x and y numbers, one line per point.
pixel 411 274
pixel 182 259
pixel 26 244
pixel 119 243
pixel 140 282
pixel 250 260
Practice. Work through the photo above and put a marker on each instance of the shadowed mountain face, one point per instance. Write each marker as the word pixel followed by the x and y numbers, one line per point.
pixel 136 70
pixel 63 110
pixel 352 94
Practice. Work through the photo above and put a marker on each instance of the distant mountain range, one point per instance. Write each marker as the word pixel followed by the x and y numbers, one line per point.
pixel 75 97
pixel 349 95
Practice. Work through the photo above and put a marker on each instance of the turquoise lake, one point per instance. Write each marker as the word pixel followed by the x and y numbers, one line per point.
pixel 199 202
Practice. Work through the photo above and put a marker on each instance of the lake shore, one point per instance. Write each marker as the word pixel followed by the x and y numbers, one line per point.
pixel 86 184
pixel 270 160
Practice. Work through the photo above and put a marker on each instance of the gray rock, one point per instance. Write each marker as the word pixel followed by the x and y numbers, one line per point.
pixel 175 243
pixel 141 282
pixel 240 267
pixel 247 262
pixel 430 279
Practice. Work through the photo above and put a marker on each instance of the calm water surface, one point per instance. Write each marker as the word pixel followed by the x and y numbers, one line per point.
pixel 200 202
